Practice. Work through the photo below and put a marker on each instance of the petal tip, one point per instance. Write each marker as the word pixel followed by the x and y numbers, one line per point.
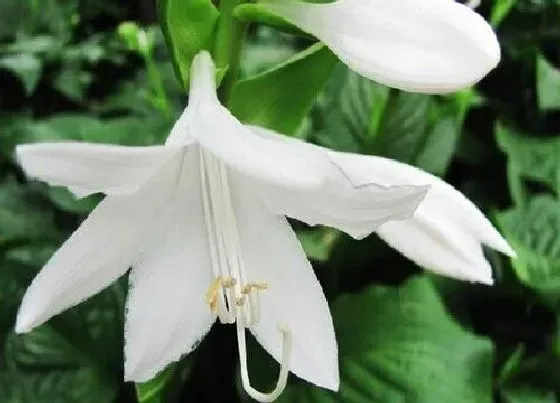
pixel 489 281
pixel 24 324
pixel 508 250
pixel 135 372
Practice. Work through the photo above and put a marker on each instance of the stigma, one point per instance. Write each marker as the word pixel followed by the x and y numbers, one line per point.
pixel 231 296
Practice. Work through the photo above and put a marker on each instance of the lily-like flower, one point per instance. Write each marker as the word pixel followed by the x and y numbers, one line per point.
pixel 432 46
pixel 193 220
pixel 445 234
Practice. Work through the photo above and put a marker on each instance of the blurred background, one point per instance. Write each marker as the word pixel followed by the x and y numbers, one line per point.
pixel 75 69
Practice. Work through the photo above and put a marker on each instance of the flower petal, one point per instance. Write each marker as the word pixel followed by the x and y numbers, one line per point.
pixel 294 297
pixel 446 232
pixel 432 46
pixel 166 310
pixel 357 207
pixel 218 131
pixel 87 168
pixel 100 251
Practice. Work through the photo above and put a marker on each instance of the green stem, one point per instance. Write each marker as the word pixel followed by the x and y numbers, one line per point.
pixel 157 82
pixel 230 36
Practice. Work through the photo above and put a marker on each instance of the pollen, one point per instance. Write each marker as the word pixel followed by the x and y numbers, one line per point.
pixel 255 287
pixel 229 282
pixel 212 294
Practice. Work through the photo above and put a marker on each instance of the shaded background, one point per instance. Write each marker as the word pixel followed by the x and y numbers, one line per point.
pixel 72 70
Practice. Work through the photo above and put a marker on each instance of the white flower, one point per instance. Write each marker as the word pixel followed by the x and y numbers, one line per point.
pixel 192 220
pixel 432 46
pixel 445 234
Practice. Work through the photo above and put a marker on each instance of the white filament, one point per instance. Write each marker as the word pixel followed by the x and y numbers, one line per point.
pixel 234 298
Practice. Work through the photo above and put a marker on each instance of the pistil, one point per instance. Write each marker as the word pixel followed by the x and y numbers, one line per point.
pixel 230 296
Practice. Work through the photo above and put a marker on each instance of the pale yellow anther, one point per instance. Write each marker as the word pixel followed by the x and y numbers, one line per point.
pixel 229 282
pixel 240 301
pixel 212 294
pixel 254 286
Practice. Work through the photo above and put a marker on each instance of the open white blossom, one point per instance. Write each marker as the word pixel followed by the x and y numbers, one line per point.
pixel 432 46
pixel 445 234
pixel 200 220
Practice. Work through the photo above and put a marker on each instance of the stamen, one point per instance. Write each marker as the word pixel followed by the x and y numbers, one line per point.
pixel 229 282
pixel 284 365
pixel 254 286
pixel 212 294
pixel 229 295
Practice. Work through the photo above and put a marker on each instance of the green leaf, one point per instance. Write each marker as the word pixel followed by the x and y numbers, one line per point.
pixel 527 394
pixel 533 158
pixel 534 233
pixel 73 81
pixel 268 99
pixel 14 14
pixel 151 391
pixel 548 85
pixel 26 67
pixel 66 201
pixel 23 216
pixel 500 11
pixel 532 380
pixel 256 13
pixel 366 117
pixel 75 357
pixel 400 345
pixel 125 131
pixel 318 242
pixel 42 367
pixel 188 26
pixel 264 50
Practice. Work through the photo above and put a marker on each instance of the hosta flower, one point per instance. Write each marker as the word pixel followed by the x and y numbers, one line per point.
pixel 445 234
pixel 415 45
pixel 201 222
pixel 193 221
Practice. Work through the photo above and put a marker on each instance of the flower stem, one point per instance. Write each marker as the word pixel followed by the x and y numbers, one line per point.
pixel 160 95
pixel 230 36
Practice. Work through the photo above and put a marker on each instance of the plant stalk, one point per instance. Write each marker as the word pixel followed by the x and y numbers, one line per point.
pixel 230 36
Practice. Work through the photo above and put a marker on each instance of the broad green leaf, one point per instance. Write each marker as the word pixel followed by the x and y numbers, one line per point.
pixel 548 85
pixel 125 131
pixel 42 367
pixel 349 112
pixel 188 26
pixel 534 233
pixel 26 67
pixel 23 216
pixel 269 100
pixel 76 356
pixel 366 117
pixel 533 158
pixel 266 49
pixel 400 345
